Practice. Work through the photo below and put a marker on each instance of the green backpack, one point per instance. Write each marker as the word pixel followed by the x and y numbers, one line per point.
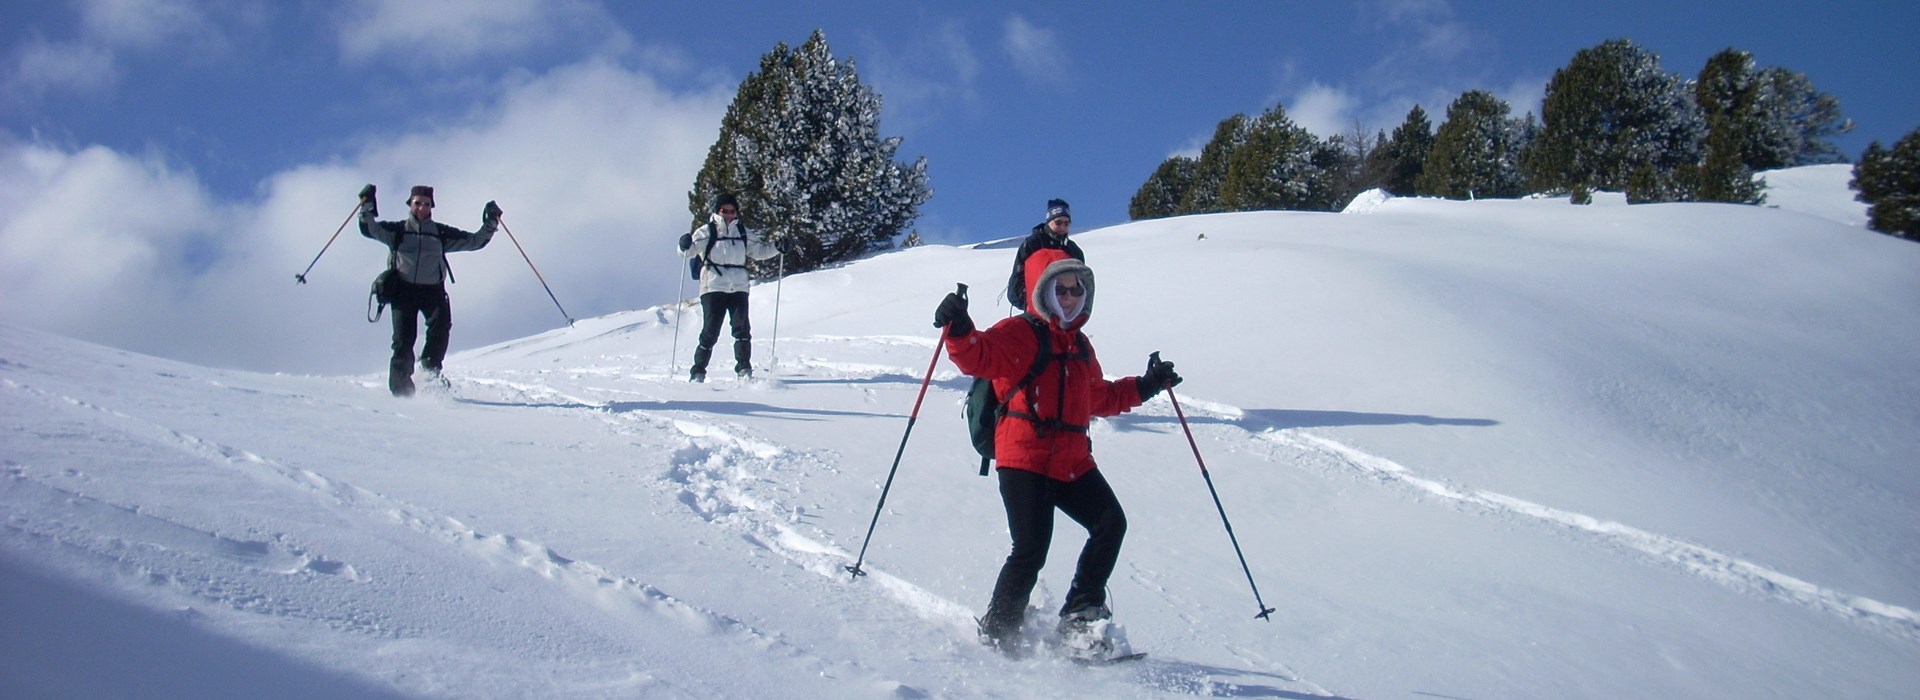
pixel 984 409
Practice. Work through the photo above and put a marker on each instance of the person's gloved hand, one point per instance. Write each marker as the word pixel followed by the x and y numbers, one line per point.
pixel 686 241
pixel 952 315
pixel 491 214
pixel 366 201
pixel 1159 376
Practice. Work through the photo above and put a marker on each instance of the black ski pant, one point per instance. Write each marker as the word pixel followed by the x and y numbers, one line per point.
pixel 715 307
pixel 411 302
pixel 1030 500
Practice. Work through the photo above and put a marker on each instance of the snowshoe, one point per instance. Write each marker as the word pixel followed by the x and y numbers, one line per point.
pixel 1089 636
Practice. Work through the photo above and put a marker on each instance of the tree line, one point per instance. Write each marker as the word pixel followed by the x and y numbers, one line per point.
pixel 800 148
pixel 1612 119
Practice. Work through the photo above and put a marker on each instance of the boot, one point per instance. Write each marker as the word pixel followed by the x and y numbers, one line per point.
pixel 1083 633
pixel 701 355
pixel 743 359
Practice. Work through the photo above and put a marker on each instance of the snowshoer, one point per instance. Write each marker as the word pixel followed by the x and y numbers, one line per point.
pixel 724 246
pixel 418 248
pixel 1045 457
pixel 1050 234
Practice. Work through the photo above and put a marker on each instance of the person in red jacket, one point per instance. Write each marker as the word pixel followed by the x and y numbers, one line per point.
pixel 1045 457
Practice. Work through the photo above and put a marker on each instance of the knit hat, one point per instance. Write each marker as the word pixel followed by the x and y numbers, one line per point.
pixel 1056 208
pixel 422 191
pixel 725 199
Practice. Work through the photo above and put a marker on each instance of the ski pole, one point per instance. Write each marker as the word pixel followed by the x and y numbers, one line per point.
pixel 302 277
pixel 536 272
pixel 938 345
pixel 774 350
pixel 679 295
pixel 1264 610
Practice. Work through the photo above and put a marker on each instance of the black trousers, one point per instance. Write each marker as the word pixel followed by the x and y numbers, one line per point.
pixel 411 302
pixel 715 307
pixel 1030 500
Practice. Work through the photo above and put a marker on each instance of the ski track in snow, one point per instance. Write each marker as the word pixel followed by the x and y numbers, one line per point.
pixel 734 480
pixel 177 554
pixel 1714 566
pixel 1722 569
pixel 725 477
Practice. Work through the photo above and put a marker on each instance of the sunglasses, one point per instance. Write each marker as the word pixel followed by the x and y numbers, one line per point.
pixel 1066 291
pixel 729 210
pixel 420 203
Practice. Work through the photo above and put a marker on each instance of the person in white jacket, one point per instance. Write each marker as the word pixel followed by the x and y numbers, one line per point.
pixel 724 246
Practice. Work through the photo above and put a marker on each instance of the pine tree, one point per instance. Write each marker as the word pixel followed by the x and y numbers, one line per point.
pixel 1474 154
pixel 1159 197
pixel 1609 114
pixel 1889 182
pixel 1728 93
pixel 1806 118
pixel 1203 197
pixel 1275 168
pixel 1406 152
pixel 1780 119
pixel 800 147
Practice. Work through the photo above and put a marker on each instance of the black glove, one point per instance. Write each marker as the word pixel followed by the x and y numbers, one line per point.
pixel 1159 375
pixel 492 213
pixel 686 241
pixel 952 315
pixel 366 201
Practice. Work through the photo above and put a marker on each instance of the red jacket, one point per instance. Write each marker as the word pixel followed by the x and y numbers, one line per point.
pixel 1066 395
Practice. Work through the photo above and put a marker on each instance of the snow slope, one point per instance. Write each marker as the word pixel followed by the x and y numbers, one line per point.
pixel 1470 449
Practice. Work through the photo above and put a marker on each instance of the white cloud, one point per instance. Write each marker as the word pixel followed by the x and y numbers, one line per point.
pixel 934 74
pixel 591 163
pixel 1524 95
pixel 1323 110
pixel 41 66
pixel 442 33
pixel 1036 53
pixel 89 62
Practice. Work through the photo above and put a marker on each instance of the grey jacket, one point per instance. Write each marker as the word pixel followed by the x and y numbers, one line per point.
pixel 421 252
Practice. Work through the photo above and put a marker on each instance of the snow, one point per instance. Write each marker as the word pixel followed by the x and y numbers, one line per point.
pixel 1504 448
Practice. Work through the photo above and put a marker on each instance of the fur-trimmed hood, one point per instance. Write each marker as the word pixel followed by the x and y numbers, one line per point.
pixel 1042 269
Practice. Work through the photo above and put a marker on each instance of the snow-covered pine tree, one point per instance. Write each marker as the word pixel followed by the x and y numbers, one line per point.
pixel 1210 170
pixel 1803 118
pixel 1475 153
pixel 800 147
pixel 1611 113
pixel 1274 168
pixel 1889 182
pixel 1159 197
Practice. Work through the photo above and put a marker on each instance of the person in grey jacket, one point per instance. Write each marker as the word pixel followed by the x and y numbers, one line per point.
pixel 724 247
pixel 417 254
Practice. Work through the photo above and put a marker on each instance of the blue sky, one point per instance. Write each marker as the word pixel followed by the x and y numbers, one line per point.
pixel 140 136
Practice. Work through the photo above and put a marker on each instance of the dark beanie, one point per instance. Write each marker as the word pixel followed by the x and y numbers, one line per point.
pixel 422 191
pixel 1057 208
pixel 725 199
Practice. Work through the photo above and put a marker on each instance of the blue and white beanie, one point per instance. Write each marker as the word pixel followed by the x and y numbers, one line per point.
pixel 1057 208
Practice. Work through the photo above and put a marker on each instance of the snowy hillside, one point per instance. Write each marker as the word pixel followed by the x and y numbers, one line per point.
pixel 1489 449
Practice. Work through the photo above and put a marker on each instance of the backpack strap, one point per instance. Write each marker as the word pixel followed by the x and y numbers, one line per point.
pixel 1042 354
pixel 713 234
pixel 1040 361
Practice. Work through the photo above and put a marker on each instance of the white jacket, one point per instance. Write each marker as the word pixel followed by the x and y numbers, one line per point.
pixel 725 268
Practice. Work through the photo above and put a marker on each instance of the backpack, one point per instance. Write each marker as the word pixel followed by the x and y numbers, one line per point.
pixel 694 263
pixel 984 409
